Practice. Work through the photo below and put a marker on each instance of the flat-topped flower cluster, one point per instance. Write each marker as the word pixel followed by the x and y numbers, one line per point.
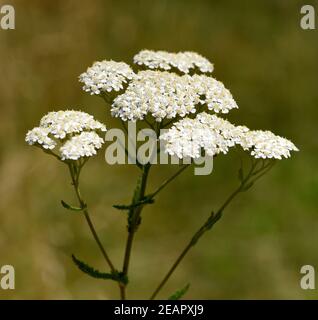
pixel 216 135
pixel 106 76
pixel 182 61
pixel 76 131
pixel 177 87
pixel 166 95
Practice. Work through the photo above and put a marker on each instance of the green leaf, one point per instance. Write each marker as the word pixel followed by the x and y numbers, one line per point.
pixel 84 267
pixel 69 207
pixel 180 293
pixel 122 206
pixel 134 205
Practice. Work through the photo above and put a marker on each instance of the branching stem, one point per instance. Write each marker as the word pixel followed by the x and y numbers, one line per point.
pixel 75 173
pixel 251 177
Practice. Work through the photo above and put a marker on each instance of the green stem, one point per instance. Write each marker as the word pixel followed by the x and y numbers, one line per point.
pixel 75 172
pixel 149 124
pixel 134 221
pixel 135 212
pixel 165 183
pixel 211 221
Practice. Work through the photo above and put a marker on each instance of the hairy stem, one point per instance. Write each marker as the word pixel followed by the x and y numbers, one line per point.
pixel 251 177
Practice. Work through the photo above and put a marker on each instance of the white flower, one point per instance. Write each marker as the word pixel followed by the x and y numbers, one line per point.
pixel 166 95
pixel 61 123
pixel 106 76
pixel 265 144
pixel 40 136
pixel 82 145
pixel 183 61
pixel 213 134
pixel 78 128
pixel 213 94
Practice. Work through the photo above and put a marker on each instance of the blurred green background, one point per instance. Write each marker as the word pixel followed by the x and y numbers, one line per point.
pixel 270 65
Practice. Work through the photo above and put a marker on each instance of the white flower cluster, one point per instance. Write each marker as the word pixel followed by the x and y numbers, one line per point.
pixel 78 127
pixel 214 135
pixel 188 136
pixel 82 145
pixel 39 135
pixel 166 95
pixel 265 144
pixel 183 61
pixel 213 93
pixel 61 123
pixel 106 76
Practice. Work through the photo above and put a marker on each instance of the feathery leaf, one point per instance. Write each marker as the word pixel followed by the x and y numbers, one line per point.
pixel 84 267
pixel 180 293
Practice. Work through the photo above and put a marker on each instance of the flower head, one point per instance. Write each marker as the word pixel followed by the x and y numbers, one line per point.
pixel 167 95
pixel 106 76
pixel 216 135
pixel 83 145
pixel 265 144
pixel 61 123
pixel 76 129
pixel 213 93
pixel 39 135
pixel 208 132
pixel 182 61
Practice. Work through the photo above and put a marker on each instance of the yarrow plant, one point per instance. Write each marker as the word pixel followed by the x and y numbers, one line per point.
pixel 171 91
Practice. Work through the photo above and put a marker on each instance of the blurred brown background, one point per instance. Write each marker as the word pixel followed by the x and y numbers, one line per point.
pixel 270 65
